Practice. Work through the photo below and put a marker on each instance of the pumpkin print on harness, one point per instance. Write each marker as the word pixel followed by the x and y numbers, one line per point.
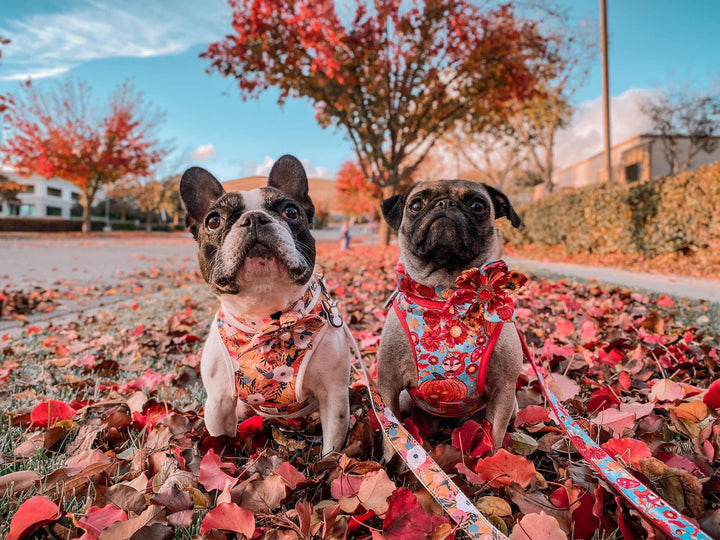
pixel 453 334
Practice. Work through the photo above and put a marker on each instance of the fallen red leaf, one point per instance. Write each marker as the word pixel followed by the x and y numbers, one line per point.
pixel 96 520
pixel 290 475
pixel 406 520
pixel 211 475
pixel 229 517
pixel 712 396
pixel 630 450
pixel 532 414
pixel 472 438
pixel 34 513
pixel 45 414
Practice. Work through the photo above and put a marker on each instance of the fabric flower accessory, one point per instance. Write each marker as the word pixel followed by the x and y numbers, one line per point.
pixel 489 292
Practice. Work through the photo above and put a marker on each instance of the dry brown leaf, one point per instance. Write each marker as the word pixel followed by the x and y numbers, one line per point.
pixel 259 494
pixel 679 487
pixel 18 481
pixel 123 530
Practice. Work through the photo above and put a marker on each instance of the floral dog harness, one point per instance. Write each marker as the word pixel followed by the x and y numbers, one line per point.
pixel 270 362
pixel 453 332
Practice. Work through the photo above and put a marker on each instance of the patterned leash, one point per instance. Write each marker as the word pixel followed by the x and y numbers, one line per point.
pixel 644 499
pixel 452 500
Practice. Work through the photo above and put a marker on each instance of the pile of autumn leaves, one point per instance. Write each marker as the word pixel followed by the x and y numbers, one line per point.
pixel 143 467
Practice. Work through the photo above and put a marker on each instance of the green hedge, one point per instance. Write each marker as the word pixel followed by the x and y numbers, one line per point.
pixel 33 224
pixel 663 215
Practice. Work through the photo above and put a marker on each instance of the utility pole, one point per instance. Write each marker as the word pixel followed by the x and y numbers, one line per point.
pixel 606 87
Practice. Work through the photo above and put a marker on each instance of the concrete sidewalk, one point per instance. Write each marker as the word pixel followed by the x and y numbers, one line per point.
pixel 680 286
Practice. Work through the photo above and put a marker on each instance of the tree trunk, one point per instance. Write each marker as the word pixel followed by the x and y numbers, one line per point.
pixel 148 220
pixel 384 231
pixel 87 221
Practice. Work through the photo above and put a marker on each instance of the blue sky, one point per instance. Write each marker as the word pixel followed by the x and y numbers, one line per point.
pixel 157 43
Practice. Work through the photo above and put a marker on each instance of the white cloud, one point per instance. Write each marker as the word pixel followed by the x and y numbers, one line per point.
pixel 316 171
pixel 312 171
pixel 49 44
pixel 264 169
pixel 203 152
pixel 584 137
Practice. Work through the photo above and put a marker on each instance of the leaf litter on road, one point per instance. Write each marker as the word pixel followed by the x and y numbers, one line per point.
pixel 103 435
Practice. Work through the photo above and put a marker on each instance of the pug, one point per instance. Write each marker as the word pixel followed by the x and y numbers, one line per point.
pixel 449 338
pixel 277 346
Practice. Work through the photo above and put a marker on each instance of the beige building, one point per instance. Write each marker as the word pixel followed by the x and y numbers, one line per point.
pixel 322 190
pixel 639 158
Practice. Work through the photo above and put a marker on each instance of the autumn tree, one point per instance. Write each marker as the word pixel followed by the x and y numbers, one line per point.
pixel 151 195
pixel 688 122
pixel 536 121
pixel 64 133
pixel 355 194
pixel 8 189
pixel 394 76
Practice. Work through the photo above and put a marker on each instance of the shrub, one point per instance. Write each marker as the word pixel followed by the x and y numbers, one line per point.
pixel 662 215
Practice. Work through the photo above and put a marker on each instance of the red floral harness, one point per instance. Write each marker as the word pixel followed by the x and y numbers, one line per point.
pixel 453 332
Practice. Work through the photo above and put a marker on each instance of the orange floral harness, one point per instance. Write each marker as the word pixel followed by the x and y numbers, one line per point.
pixel 270 362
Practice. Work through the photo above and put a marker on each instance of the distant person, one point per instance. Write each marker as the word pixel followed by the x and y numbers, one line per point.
pixel 344 237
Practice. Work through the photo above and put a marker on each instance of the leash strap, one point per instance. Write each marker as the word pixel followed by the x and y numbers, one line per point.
pixel 644 499
pixel 452 500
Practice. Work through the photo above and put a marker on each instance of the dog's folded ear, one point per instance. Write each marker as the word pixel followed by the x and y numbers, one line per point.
pixel 288 175
pixel 198 190
pixel 502 206
pixel 392 210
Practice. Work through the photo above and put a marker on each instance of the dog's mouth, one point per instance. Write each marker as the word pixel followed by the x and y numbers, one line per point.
pixel 255 261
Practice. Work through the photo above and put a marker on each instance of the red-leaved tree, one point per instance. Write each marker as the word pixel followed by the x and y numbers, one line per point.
pixel 395 76
pixel 63 133
pixel 355 195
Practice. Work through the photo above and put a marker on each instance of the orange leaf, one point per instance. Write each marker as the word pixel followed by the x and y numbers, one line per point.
pixel 229 517
pixel 694 411
pixel 504 468
pixel 32 514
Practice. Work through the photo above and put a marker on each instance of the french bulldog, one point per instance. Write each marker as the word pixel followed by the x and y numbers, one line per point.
pixel 277 346
pixel 445 228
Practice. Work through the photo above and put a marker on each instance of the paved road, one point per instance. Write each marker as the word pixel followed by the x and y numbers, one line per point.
pixel 687 287
pixel 27 261
pixel 32 260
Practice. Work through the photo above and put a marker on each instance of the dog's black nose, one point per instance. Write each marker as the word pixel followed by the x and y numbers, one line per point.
pixel 248 219
pixel 445 204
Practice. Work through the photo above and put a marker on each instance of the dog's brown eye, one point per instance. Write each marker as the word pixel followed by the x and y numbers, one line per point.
pixel 291 212
pixel 213 222
pixel 478 207
pixel 416 206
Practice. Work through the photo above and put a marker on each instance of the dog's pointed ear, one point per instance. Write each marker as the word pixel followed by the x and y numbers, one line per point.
pixel 392 210
pixel 288 175
pixel 198 190
pixel 502 206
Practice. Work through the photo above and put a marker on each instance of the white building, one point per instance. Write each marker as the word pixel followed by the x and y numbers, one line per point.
pixel 638 158
pixel 41 197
